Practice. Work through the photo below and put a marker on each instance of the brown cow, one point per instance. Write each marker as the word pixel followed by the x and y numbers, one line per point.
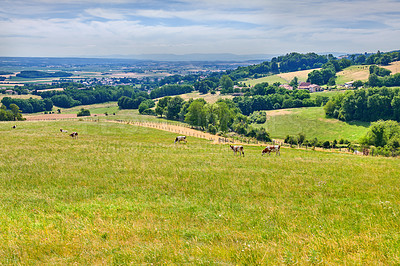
pixel 237 149
pixel 271 148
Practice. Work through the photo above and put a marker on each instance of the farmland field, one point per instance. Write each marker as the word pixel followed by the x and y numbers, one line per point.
pixel 352 73
pixel 313 123
pixel 122 194
pixel 269 79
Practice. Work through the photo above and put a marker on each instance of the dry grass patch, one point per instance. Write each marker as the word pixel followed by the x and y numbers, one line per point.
pixel 301 75
pixel 394 67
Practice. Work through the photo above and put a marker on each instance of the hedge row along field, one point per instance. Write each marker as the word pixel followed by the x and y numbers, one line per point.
pixel 124 194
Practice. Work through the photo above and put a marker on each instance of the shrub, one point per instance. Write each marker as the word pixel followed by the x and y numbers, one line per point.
pixel 83 112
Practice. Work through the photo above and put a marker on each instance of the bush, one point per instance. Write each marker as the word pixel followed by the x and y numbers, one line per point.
pixel 83 112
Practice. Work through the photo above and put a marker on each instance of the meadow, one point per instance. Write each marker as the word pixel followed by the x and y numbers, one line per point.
pixel 121 194
pixel 312 122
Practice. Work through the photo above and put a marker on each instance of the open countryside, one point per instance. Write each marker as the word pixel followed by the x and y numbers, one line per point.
pixel 215 158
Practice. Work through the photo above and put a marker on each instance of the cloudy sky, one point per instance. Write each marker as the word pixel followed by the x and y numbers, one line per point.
pixel 128 27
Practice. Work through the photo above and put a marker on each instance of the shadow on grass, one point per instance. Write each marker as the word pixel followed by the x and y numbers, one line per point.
pixel 359 124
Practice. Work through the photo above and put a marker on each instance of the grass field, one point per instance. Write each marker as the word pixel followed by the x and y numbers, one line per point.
pixel 121 194
pixel 313 123
pixel 269 79
pixel 326 93
pixel 210 98
pixel 283 78
pixel 353 73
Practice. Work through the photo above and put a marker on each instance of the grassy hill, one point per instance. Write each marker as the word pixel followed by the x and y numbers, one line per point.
pixel 357 72
pixel 121 194
pixel 313 123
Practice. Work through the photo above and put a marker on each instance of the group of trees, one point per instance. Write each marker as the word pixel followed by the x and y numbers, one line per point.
pixel 369 104
pixel 169 90
pixel 30 105
pixel 389 81
pixel 222 116
pixel 133 101
pixel 385 135
pixel 42 74
pixel 281 99
pixel 287 63
pixel 327 74
pixel 13 113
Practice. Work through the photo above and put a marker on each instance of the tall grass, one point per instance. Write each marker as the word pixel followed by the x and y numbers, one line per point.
pixel 122 194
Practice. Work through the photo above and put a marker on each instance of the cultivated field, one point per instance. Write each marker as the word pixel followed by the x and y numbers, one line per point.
pixel 122 194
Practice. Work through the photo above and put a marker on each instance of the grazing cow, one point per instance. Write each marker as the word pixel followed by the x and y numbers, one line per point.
pixel 74 135
pixel 63 131
pixel 356 152
pixel 180 138
pixel 14 126
pixel 237 149
pixel 271 148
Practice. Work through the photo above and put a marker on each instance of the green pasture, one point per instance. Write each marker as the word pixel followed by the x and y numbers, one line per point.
pixel 313 123
pixel 100 108
pixel 326 93
pixel 121 194
pixel 269 79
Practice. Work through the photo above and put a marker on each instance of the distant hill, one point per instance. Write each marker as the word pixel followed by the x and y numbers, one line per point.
pixel 204 57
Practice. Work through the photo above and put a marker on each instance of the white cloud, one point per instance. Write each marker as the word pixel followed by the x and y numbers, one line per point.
pixel 42 27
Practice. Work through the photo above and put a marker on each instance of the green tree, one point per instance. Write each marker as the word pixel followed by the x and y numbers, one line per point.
pixel 16 112
pixel 143 107
pixel 162 105
pixel 83 112
pixel 294 83
pixel 174 107
pixel 195 113
pixel 226 84
pixel 396 107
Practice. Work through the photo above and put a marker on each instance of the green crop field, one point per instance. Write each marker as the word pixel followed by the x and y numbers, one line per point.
pixel 313 123
pixel 121 194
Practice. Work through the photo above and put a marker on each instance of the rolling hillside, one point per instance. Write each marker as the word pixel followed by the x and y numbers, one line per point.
pixel 121 194
pixel 313 123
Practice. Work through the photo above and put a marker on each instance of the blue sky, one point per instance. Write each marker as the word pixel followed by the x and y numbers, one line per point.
pixel 128 27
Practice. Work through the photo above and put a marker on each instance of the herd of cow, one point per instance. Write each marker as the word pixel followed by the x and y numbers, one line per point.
pixel 240 149
pixel 74 135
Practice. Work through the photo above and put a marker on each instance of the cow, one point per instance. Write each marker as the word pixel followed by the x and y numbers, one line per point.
pixel 271 148
pixel 63 131
pixel 14 126
pixel 237 149
pixel 357 152
pixel 180 138
pixel 74 135
pixel 365 152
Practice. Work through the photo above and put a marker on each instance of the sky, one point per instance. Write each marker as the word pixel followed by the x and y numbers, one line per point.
pixel 64 28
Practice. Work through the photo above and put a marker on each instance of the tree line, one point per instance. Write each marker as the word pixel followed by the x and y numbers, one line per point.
pixel 368 104
pixel 30 105
pixel 42 74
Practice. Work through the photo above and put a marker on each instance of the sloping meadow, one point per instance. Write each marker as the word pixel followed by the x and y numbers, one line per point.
pixel 123 194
